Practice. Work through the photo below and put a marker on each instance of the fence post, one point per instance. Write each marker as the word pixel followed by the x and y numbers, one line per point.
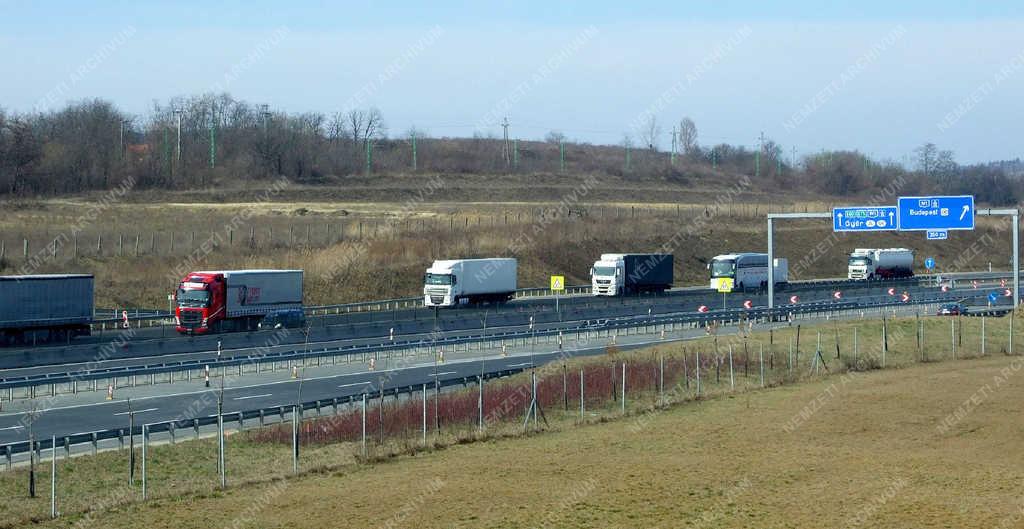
pixel 983 335
pixel 698 371
pixel 952 335
pixel 53 477
pixel 760 358
pixel 364 425
pixel 480 403
pixel 145 444
pixel 583 408
pixel 623 387
pixel 295 440
pixel 424 415
pixel 661 379
pixel 732 377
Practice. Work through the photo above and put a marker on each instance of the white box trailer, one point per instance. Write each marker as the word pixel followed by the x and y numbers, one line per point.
pixel 464 281
pixel 45 306
pixel 258 292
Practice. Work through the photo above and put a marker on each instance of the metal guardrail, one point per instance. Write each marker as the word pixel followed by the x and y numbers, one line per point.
pixel 726 316
pixel 143 315
pixel 195 423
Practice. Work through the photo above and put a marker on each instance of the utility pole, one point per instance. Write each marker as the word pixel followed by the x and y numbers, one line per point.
pixel 265 113
pixel 505 150
pixel 213 137
pixel 413 150
pixel 793 162
pixel 177 114
pixel 123 122
pixel 672 158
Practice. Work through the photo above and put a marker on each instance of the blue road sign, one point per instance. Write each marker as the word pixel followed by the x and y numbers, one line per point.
pixel 936 213
pixel 938 235
pixel 992 297
pixel 864 218
pixel 929 263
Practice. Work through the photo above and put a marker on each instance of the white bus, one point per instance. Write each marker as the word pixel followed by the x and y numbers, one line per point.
pixel 746 270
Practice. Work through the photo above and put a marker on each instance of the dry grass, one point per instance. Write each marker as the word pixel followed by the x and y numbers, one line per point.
pixel 356 252
pixel 816 454
pixel 870 457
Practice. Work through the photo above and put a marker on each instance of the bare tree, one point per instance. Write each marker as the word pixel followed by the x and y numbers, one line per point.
pixel 554 137
pixel 926 155
pixel 688 135
pixel 650 133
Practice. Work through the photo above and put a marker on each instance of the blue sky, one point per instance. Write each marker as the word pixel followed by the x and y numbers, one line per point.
pixel 881 77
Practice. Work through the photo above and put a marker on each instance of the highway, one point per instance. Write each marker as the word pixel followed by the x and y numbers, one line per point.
pixel 127 347
pixel 86 412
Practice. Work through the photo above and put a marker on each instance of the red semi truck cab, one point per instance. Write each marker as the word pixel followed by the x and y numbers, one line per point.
pixel 232 300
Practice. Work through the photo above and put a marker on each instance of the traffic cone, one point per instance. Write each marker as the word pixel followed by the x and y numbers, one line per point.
pixel 295 371
pixel 559 340
pixel 440 356
pixel 504 350
pixel 206 379
pixel 110 392
pixel 373 364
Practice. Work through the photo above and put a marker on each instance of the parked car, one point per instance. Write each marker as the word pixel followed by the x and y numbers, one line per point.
pixel 284 319
pixel 952 309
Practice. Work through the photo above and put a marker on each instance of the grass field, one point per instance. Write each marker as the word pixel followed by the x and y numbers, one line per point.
pixel 928 442
pixel 358 251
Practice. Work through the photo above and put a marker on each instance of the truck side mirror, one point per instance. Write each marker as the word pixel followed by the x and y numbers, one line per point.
pixel 455 279
pixel 618 272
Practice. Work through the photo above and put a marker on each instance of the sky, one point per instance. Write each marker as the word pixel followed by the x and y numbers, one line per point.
pixel 878 77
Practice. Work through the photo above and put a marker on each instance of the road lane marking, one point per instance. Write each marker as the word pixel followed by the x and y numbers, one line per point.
pixel 445 373
pixel 137 411
pixel 353 384
pixel 520 365
pixel 11 428
pixel 253 396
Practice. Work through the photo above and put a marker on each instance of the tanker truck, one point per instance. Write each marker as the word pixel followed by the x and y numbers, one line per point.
pixel 881 263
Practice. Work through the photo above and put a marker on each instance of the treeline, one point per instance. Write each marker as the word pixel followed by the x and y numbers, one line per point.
pixel 92 145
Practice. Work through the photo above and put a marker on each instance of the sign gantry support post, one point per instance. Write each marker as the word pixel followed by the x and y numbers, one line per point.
pixel 771 245
pixel 1014 215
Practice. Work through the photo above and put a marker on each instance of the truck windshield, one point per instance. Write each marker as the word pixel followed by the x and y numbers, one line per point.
pixel 438 279
pixel 604 270
pixel 859 261
pixel 725 268
pixel 193 298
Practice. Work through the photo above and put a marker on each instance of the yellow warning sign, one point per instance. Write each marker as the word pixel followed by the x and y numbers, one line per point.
pixel 557 283
pixel 725 284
